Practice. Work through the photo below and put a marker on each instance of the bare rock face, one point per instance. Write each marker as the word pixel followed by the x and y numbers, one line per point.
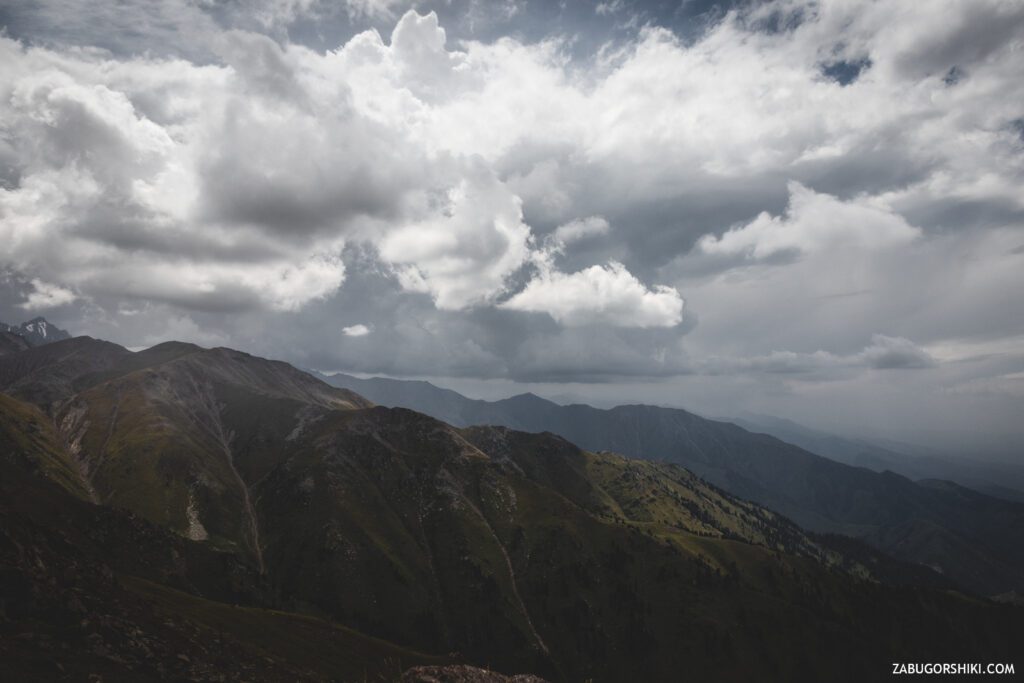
pixel 462 674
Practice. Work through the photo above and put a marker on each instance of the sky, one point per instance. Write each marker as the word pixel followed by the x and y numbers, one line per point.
pixel 805 209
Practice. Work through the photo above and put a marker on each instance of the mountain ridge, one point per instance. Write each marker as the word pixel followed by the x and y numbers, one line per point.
pixel 884 508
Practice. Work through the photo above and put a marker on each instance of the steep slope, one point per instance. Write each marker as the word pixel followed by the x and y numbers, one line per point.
pixel 28 440
pixel 88 592
pixel 974 539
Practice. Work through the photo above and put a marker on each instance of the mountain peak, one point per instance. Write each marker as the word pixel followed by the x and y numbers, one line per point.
pixel 37 331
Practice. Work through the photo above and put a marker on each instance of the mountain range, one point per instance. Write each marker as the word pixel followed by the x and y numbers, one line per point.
pixel 998 479
pixel 974 539
pixel 181 512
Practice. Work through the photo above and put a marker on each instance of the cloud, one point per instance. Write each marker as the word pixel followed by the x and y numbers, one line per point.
pixel 580 229
pixel 373 8
pixel 813 222
pixel 883 353
pixel 520 197
pixel 597 295
pixel 607 295
pixel 603 8
pixel 462 253
pixel 359 330
pixel 47 295
pixel 887 353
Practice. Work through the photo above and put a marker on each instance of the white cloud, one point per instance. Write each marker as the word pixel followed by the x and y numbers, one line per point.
pixel 47 295
pixel 462 253
pixel 607 295
pixel 358 330
pixel 814 222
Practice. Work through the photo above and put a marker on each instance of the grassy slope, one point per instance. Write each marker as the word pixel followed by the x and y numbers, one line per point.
pixel 27 438
pixel 65 616
pixel 160 432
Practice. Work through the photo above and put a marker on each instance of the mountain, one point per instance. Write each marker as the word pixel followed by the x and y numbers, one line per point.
pixel 167 402
pixel 220 506
pixel 10 342
pixel 36 332
pixel 976 540
pixel 1001 480
pixel 46 374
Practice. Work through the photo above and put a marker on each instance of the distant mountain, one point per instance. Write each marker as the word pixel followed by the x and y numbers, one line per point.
pixel 1001 480
pixel 36 332
pixel 975 539
pixel 327 519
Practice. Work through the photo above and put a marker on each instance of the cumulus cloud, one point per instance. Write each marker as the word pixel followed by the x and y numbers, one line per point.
pixel 462 253
pixel 244 193
pixel 607 295
pixel 47 295
pixel 813 222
